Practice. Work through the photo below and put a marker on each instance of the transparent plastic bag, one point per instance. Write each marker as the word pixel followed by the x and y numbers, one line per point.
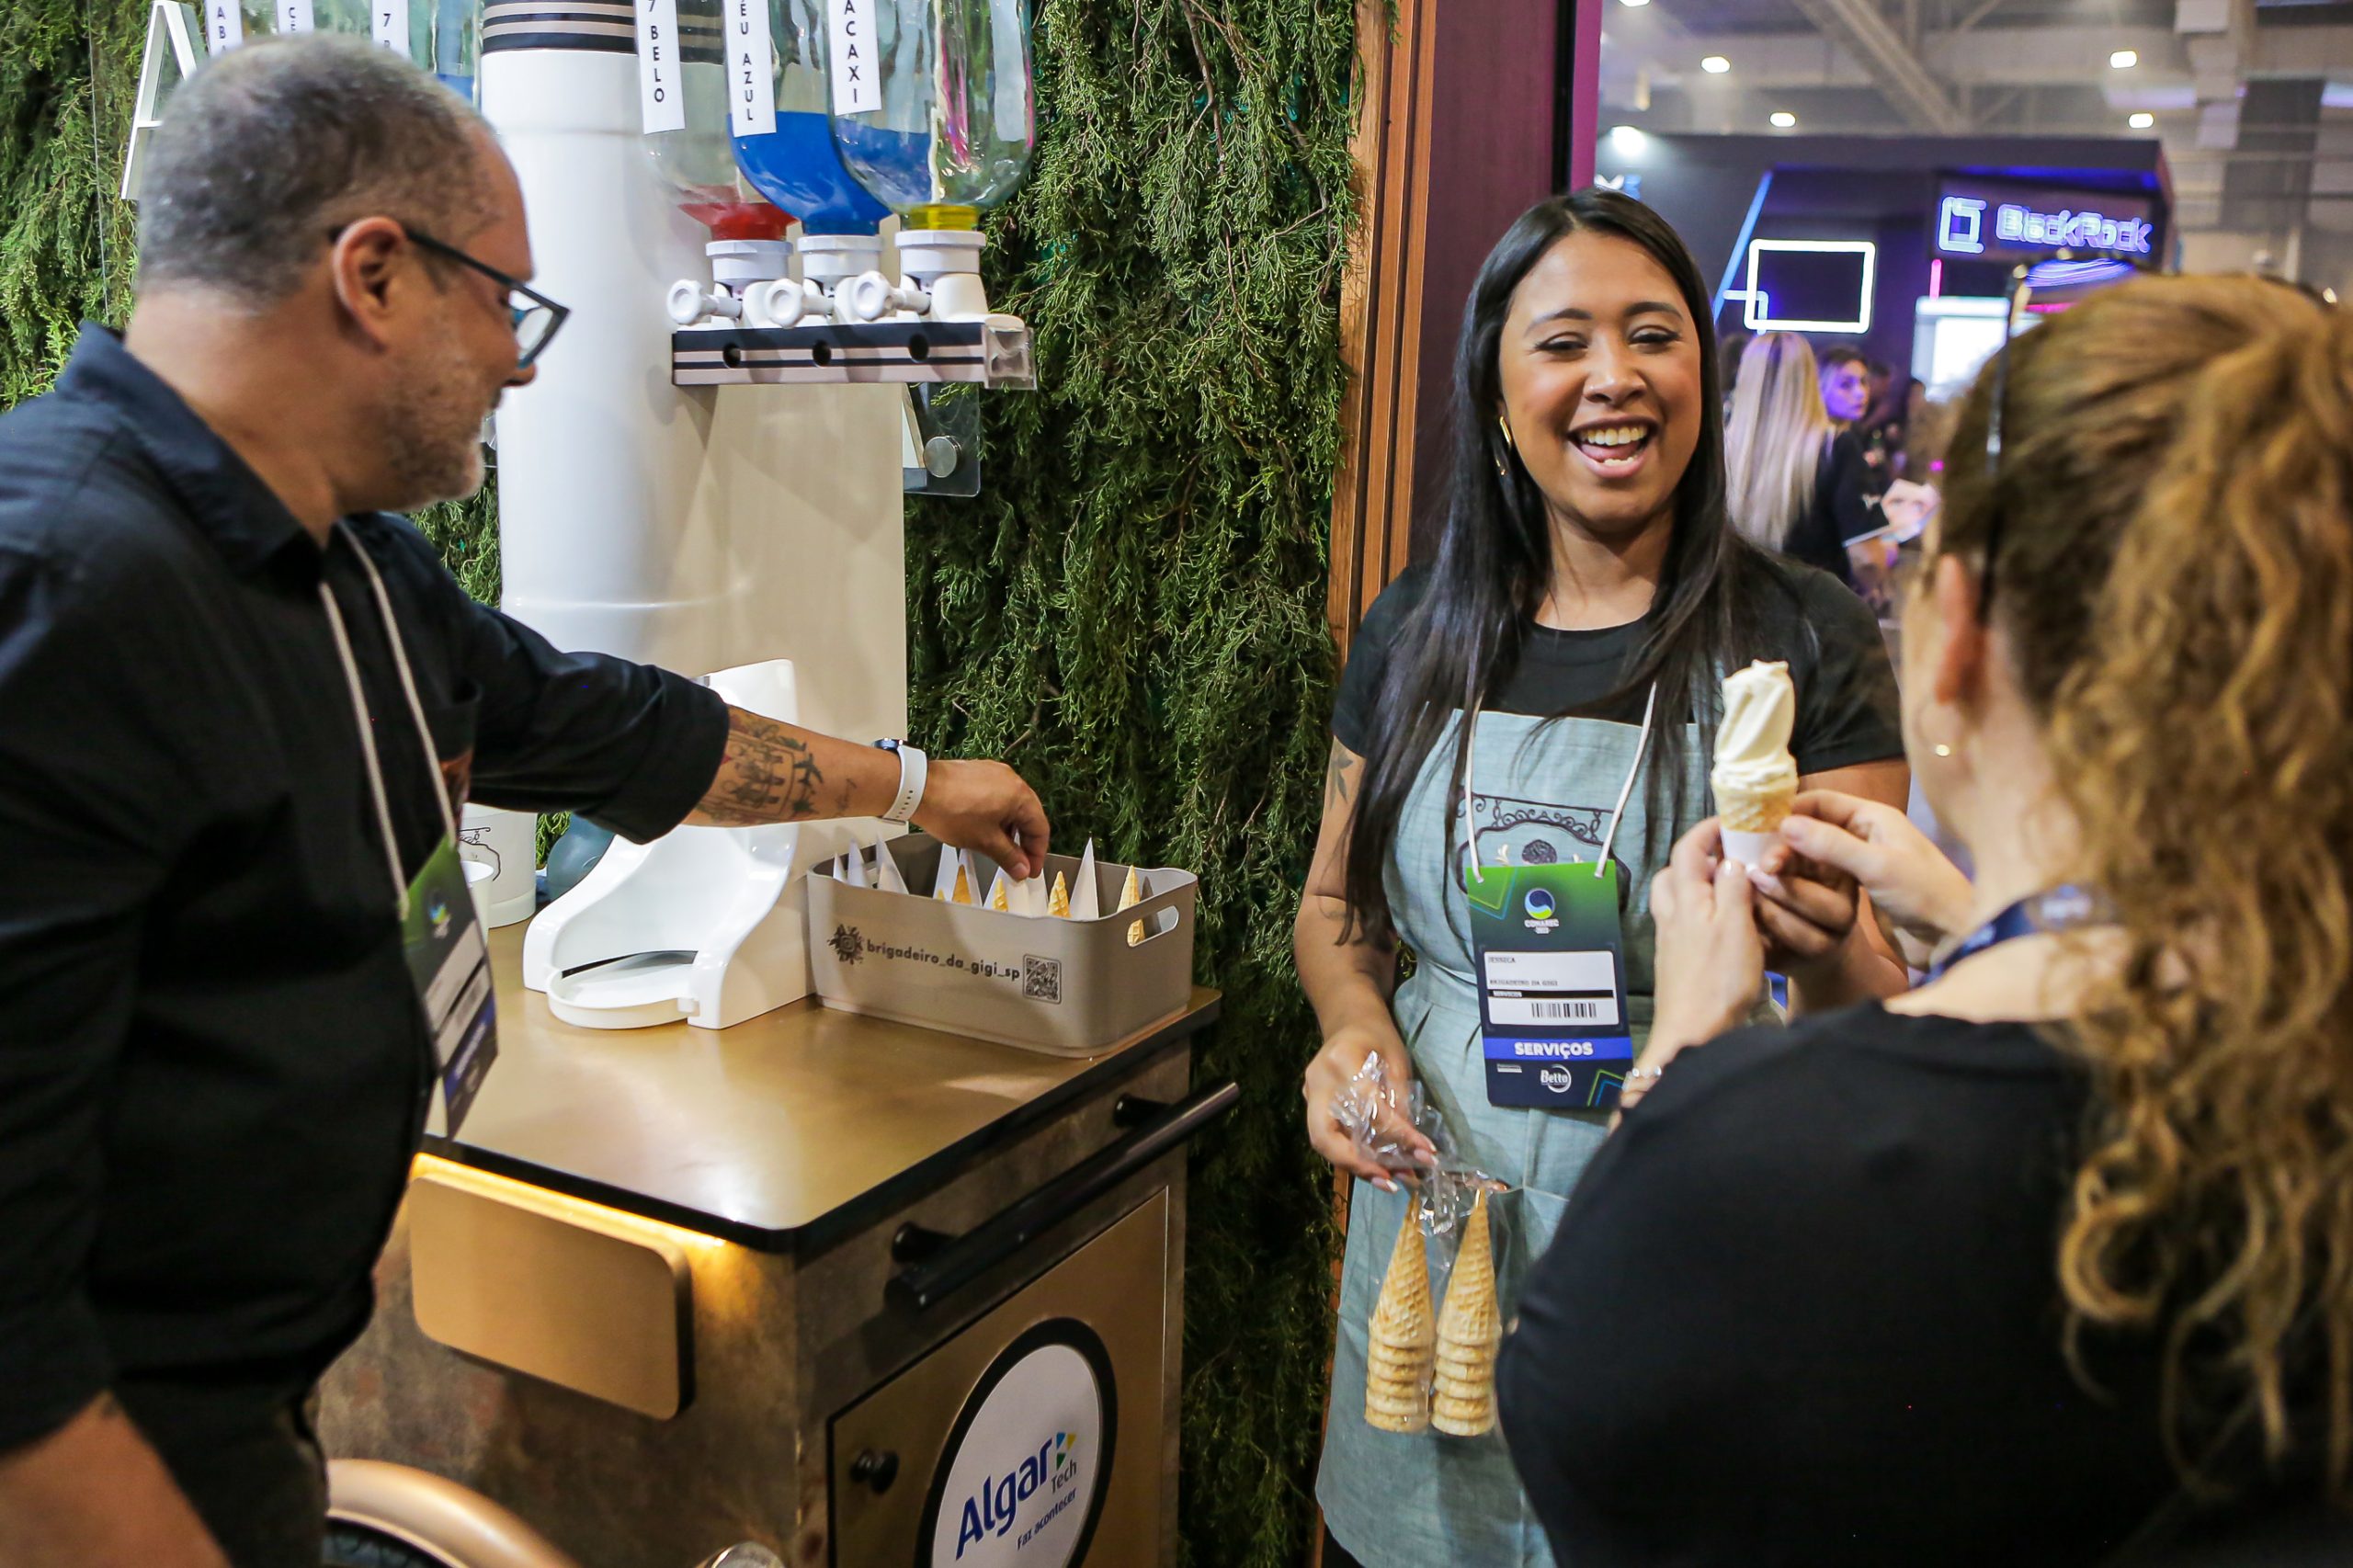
pixel 1419 1373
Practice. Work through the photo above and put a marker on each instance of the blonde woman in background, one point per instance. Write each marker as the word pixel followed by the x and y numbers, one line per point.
pixel 1795 481
pixel 2049 1261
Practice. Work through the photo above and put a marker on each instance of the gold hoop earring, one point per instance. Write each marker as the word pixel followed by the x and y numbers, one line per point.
pixel 1503 468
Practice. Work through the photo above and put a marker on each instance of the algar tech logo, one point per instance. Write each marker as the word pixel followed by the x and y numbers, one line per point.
pixel 993 1510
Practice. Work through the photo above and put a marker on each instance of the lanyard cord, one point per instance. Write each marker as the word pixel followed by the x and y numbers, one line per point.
pixel 368 729
pixel 1617 814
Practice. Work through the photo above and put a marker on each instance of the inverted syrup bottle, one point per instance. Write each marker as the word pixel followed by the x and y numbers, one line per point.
pixel 228 23
pixel 777 103
pixel 457 43
pixel 933 106
pixel 683 87
pixel 403 26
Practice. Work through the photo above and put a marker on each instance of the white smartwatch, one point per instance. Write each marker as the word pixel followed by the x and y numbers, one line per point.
pixel 913 767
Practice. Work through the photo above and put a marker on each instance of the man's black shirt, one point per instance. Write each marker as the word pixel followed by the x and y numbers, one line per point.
pixel 212 1067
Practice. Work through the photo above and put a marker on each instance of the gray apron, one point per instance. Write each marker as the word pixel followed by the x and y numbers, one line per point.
pixel 1540 792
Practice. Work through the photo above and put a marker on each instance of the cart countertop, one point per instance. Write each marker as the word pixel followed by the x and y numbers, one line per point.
pixel 788 1124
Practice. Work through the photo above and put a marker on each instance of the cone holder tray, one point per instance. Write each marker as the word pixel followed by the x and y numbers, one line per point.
pixel 1042 983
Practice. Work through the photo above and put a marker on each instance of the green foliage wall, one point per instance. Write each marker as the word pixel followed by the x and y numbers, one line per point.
pixel 1131 613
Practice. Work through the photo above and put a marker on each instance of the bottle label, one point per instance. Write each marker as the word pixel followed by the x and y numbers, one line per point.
pixel 661 103
pixel 390 19
pixel 225 26
pixel 857 82
pixel 294 17
pixel 751 69
pixel 1009 63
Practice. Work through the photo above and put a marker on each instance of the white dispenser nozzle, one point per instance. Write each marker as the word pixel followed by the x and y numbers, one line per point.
pixel 691 302
pixel 871 298
pixel 785 301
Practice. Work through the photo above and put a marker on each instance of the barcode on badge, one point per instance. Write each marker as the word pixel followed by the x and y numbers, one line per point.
pixel 1566 1012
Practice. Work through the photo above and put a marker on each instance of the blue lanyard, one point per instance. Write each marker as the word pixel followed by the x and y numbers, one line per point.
pixel 2062 907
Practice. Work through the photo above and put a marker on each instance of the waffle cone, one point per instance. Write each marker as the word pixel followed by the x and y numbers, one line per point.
pixel 1396 1414
pixel 1470 1365
pixel 1462 1417
pixel 1402 1319
pixel 1057 900
pixel 1470 1318
pixel 1743 813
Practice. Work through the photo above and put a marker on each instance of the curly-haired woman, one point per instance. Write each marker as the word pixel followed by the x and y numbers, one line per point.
pixel 2051 1258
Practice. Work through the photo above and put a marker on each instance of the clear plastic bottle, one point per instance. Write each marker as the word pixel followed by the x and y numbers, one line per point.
pixel 228 23
pixel 348 17
pixel 796 166
pixel 457 43
pixel 956 126
pixel 698 161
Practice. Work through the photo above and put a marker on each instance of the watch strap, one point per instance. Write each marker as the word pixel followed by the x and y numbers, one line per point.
pixel 914 768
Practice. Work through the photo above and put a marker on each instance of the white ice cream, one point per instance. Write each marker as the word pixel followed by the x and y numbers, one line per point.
pixel 1753 742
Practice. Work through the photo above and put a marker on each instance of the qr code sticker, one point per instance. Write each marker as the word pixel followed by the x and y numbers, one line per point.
pixel 1042 979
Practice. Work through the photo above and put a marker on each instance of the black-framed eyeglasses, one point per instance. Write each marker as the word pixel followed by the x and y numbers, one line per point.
pixel 537 318
pixel 2060 281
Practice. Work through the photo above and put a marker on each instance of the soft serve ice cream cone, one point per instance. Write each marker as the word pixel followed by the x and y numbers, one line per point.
pixel 1755 778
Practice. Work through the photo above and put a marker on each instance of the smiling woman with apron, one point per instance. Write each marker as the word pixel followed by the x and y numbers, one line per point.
pixel 1589 591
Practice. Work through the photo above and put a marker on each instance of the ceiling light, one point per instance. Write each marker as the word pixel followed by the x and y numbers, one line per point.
pixel 1632 2
pixel 1715 65
pixel 2142 121
pixel 2123 59
pixel 1627 139
pixel 1784 118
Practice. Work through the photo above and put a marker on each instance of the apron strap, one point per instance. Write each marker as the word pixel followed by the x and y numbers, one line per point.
pixel 1626 790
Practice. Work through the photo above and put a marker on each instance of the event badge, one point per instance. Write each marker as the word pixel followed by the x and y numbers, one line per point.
pixel 1551 983
pixel 448 963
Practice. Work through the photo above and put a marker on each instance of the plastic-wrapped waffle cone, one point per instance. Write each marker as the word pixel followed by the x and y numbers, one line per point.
pixel 1403 1320
pixel 1396 1363
pixel 998 899
pixel 1470 1318
pixel 1461 1417
pixel 1057 900
pixel 1465 1365
pixel 1390 1408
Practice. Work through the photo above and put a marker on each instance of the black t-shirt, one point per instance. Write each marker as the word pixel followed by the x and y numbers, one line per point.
pixel 1846 689
pixel 1803 1309
pixel 1840 510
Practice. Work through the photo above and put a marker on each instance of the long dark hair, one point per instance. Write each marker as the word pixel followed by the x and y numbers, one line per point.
pixel 1495 558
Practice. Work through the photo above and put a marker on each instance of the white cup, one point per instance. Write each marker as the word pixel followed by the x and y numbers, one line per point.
pixel 499 851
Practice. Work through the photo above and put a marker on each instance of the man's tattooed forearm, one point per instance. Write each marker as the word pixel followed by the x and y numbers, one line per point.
pixel 767 776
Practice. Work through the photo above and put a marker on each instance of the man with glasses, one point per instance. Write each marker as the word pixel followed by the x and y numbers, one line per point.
pixel 233 691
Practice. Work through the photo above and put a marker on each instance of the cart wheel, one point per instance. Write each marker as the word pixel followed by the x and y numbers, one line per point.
pixel 356 1545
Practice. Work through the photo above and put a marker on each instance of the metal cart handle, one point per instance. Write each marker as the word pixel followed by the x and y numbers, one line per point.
pixel 939 1265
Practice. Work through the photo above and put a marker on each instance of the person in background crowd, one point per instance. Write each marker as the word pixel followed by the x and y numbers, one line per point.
pixel 1846 383
pixel 1794 482
pixel 2051 1259
pixel 1885 424
pixel 1729 349
pixel 240 704
pixel 1587 595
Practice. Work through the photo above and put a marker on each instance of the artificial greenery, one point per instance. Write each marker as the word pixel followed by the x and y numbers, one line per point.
pixel 1132 612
